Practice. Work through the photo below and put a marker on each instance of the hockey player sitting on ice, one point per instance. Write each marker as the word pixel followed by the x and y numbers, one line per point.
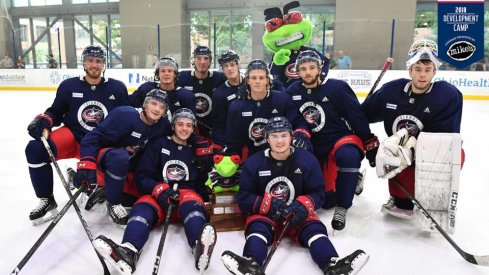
pixel 284 182
pixel 81 103
pixel 113 148
pixel 227 93
pixel 165 161
pixel 286 35
pixel 249 115
pixel 417 105
pixel 165 78
pixel 202 82
pixel 340 132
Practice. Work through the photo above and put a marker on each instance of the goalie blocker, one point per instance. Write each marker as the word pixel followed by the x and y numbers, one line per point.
pixel 439 159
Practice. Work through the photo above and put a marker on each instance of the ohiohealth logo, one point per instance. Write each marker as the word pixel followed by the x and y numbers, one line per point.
pixel 55 77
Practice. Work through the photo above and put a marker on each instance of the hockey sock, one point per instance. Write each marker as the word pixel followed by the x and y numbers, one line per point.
pixel 348 160
pixel 141 219
pixel 256 248
pixel 40 169
pixel 193 217
pixel 322 250
pixel 116 162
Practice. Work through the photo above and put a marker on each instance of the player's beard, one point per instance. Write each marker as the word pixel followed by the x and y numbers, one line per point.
pixel 311 82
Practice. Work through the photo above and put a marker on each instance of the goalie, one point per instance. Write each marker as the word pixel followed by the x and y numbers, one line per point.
pixel 409 107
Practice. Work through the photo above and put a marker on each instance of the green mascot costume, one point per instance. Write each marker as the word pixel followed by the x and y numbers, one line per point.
pixel 225 174
pixel 285 35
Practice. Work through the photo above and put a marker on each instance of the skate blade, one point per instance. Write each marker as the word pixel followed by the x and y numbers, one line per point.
pixel 208 240
pixel 360 266
pixel 50 215
pixel 104 250
pixel 231 264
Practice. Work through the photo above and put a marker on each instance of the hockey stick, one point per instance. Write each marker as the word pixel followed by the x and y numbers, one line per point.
pixel 477 260
pixel 387 64
pixel 163 235
pixel 75 205
pixel 46 233
pixel 275 246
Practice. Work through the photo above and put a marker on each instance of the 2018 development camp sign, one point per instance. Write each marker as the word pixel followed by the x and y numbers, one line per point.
pixel 461 31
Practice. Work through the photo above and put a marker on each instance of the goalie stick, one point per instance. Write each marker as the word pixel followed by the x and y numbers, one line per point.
pixel 75 205
pixel 477 260
pixel 46 232
pixel 386 66
pixel 163 235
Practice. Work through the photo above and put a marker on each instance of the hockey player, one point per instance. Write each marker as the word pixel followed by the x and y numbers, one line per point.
pixel 228 92
pixel 418 105
pixel 340 132
pixel 202 82
pixel 249 115
pixel 81 103
pixel 284 182
pixel 166 77
pixel 113 147
pixel 165 162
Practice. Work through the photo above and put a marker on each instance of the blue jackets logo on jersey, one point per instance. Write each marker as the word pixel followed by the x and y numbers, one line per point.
pixel 412 124
pixel 257 131
pixel 174 171
pixel 281 188
pixel 314 115
pixel 203 104
pixel 90 114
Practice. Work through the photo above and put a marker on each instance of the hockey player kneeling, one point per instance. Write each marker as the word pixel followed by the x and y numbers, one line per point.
pixel 437 162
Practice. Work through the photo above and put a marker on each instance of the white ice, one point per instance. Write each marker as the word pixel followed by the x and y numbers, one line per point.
pixel 395 246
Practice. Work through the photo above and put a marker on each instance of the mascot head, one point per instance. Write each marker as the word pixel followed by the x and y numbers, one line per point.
pixel 287 30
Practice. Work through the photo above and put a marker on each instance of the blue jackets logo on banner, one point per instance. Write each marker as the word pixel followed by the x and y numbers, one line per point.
pixel 461 31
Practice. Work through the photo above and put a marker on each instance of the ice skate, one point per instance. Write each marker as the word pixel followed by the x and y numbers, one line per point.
pixel 123 257
pixel 348 265
pixel 391 209
pixel 97 196
pixel 204 247
pixel 239 265
pixel 117 213
pixel 45 211
pixel 339 218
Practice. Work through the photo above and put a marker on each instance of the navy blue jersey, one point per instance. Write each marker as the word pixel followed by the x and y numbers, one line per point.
pixel 203 90
pixel 123 128
pixel 438 110
pixel 286 73
pixel 81 106
pixel 163 160
pixel 178 98
pixel 332 111
pixel 247 120
pixel 298 175
pixel 221 99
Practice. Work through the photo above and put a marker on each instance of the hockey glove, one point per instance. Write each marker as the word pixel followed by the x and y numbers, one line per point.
pixel 38 124
pixel 165 195
pixel 86 174
pixel 203 156
pixel 396 153
pixel 300 138
pixel 371 148
pixel 299 210
pixel 270 206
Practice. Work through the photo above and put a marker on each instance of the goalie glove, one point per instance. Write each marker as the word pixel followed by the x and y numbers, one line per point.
pixel 395 154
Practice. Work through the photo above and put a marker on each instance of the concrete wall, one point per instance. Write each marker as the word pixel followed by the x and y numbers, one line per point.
pixel 139 20
pixel 357 21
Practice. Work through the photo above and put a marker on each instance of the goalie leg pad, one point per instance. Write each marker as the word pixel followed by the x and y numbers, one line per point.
pixel 437 176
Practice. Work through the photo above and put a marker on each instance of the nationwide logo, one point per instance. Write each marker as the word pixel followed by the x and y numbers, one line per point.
pixel 461 50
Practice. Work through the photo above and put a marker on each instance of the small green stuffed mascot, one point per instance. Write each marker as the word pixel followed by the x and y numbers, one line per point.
pixel 286 35
pixel 225 174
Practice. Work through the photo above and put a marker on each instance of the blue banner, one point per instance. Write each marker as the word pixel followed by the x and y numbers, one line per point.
pixel 460 31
